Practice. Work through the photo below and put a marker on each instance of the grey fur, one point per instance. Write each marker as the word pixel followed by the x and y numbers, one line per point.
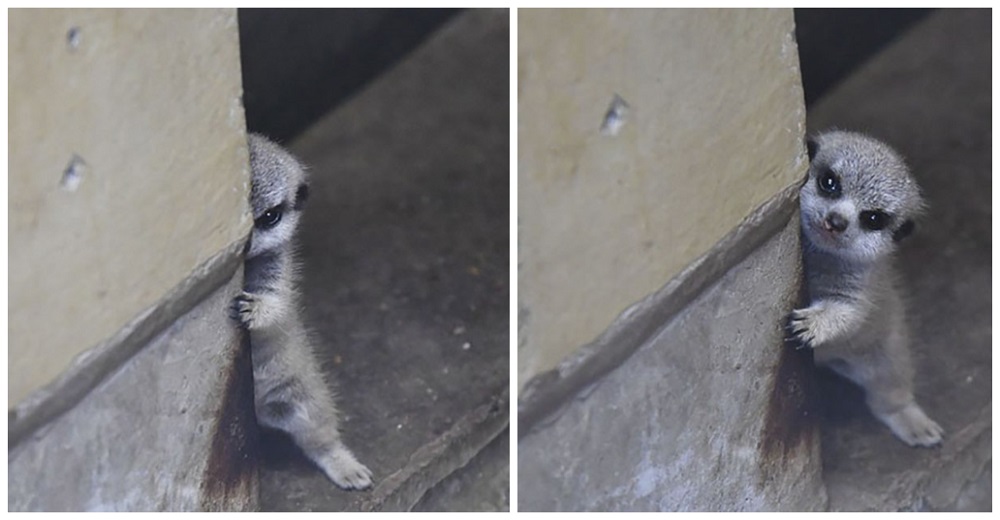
pixel 291 394
pixel 855 321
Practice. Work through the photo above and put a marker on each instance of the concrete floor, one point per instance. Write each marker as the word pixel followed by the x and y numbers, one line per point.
pixel 405 246
pixel 929 95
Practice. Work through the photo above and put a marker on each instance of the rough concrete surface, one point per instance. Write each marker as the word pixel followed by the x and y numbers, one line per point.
pixel 696 419
pixel 929 95
pixel 405 251
pixel 172 430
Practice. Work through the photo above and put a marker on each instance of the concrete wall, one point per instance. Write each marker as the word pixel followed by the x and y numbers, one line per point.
pixel 659 153
pixel 129 387
pixel 142 108
pixel 608 213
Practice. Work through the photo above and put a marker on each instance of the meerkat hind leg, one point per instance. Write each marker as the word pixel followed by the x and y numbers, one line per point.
pixel 890 399
pixel 313 427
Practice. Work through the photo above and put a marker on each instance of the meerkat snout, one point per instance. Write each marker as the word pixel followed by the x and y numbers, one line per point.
pixel 835 222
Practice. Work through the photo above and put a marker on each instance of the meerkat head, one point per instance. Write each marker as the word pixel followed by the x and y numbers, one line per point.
pixel 277 194
pixel 858 199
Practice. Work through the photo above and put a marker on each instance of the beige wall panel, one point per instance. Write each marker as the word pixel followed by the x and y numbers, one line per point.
pixel 713 129
pixel 149 103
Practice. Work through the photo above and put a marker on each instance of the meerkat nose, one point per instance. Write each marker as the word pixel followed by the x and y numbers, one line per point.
pixel 835 222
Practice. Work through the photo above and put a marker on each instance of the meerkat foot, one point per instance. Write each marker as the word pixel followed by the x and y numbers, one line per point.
pixel 912 426
pixel 343 469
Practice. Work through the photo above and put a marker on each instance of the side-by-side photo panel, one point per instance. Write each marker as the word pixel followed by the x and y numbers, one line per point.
pixel 264 260
pixel 754 260
pixel 276 245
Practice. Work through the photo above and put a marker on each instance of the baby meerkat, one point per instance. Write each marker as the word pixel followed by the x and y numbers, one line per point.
pixel 290 393
pixel 857 202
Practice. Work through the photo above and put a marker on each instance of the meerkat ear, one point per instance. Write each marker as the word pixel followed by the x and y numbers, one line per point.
pixel 903 231
pixel 811 147
pixel 300 197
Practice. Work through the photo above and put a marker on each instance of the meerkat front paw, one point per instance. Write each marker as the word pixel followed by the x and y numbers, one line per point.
pixel 801 327
pixel 244 309
pixel 255 311
pixel 345 470
pixel 912 426
pixel 823 321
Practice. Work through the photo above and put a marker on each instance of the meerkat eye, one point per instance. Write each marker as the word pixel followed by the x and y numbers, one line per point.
pixel 270 218
pixel 828 184
pixel 874 220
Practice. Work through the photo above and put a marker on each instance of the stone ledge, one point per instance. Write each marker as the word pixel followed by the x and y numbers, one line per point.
pixel 93 366
pixel 434 461
pixel 172 429
pixel 544 394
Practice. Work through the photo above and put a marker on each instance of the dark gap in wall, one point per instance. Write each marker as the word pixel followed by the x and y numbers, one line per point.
pixel 835 42
pixel 300 63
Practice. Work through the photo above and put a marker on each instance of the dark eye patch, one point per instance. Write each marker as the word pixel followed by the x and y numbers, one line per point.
pixel 270 218
pixel 828 184
pixel 874 220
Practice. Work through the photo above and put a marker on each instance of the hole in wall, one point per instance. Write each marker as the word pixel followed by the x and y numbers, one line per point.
pixel 614 117
pixel 72 176
pixel 73 38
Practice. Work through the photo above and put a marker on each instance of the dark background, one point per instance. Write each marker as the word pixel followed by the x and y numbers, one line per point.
pixel 834 42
